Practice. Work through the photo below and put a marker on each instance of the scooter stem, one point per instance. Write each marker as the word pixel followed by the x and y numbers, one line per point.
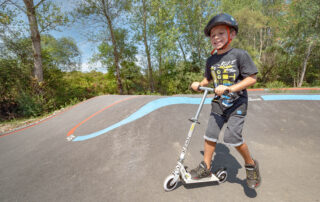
pixel 194 121
pixel 206 90
pixel 201 105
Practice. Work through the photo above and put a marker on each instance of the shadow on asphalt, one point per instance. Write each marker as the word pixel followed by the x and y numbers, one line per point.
pixel 223 159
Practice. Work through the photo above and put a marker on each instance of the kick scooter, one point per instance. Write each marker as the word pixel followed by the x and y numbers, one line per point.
pixel 180 171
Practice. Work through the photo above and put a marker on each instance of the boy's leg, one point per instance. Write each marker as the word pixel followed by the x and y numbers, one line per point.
pixel 215 124
pixel 233 136
pixel 211 136
pixel 244 151
pixel 209 148
pixel 203 170
pixel 252 167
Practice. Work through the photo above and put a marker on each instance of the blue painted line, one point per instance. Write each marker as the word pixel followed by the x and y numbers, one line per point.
pixel 146 109
pixel 162 102
pixel 290 97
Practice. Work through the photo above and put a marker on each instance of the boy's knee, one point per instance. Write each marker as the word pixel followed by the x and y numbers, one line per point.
pixel 233 142
pixel 233 139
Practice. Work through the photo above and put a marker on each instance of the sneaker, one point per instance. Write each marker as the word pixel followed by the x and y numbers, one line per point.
pixel 200 172
pixel 253 175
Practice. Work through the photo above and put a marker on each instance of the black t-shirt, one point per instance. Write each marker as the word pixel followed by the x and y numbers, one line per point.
pixel 230 67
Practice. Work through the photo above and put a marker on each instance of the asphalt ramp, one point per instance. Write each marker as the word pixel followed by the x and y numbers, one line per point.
pixel 104 150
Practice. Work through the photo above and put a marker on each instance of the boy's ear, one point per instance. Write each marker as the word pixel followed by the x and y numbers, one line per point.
pixel 233 33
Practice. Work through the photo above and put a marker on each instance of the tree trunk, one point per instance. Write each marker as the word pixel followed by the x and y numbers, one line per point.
pixel 151 82
pixel 254 42
pixel 36 40
pixel 261 44
pixel 200 32
pixel 184 55
pixel 160 72
pixel 305 62
pixel 115 51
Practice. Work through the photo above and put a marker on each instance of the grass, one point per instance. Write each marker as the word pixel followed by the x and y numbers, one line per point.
pixel 7 126
pixel 10 125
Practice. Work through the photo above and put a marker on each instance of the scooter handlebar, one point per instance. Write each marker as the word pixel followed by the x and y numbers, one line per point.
pixel 206 89
pixel 211 90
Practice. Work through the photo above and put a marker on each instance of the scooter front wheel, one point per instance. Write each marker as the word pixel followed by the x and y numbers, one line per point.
pixel 168 184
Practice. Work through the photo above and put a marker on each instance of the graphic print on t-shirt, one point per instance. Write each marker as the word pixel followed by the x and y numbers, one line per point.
pixel 224 72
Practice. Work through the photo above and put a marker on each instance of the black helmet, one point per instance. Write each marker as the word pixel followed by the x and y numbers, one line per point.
pixel 221 19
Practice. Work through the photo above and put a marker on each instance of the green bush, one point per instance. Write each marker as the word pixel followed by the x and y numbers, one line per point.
pixel 276 84
pixel 316 83
pixel 30 105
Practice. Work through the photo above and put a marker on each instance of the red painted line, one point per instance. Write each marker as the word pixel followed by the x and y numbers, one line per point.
pixel 256 89
pixel 43 120
pixel 267 89
pixel 29 126
pixel 98 112
pixel 295 89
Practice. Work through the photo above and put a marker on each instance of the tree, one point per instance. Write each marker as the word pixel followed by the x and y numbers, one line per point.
pixel 44 15
pixel 145 41
pixel 127 58
pixel 301 37
pixel 191 19
pixel 141 20
pixel 309 15
pixel 60 53
pixel 165 36
pixel 35 37
pixel 105 12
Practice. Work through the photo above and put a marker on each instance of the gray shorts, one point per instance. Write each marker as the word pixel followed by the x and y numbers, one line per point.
pixel 234 120
pixel 233 132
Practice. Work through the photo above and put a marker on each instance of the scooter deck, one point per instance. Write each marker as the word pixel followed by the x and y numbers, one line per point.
pixel 186 178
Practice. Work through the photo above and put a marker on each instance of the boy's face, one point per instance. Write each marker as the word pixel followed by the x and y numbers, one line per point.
pixel 219 36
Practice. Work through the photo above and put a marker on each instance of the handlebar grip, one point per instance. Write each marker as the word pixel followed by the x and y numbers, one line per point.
pixel 226 92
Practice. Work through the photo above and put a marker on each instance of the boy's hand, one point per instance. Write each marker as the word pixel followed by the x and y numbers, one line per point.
pixel 195 86
pixel 221 89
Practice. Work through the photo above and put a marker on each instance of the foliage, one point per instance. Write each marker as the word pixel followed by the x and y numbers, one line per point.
pixel 50 17
pixel 276 84
pixel 62 53
pixel 281 36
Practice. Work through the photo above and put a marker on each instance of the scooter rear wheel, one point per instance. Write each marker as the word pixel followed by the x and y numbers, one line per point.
pixel 167 183
pixel 222 175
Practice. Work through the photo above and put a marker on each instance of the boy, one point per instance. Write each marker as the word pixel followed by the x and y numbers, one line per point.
pixel 232 71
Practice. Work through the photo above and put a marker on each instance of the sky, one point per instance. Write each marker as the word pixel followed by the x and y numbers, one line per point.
pixel 76 31
pixel 87 48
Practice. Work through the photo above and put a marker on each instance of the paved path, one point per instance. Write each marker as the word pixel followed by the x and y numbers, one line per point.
pixel 130 161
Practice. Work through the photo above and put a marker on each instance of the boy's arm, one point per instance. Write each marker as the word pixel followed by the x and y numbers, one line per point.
pixel 195 85
pixel 245 83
